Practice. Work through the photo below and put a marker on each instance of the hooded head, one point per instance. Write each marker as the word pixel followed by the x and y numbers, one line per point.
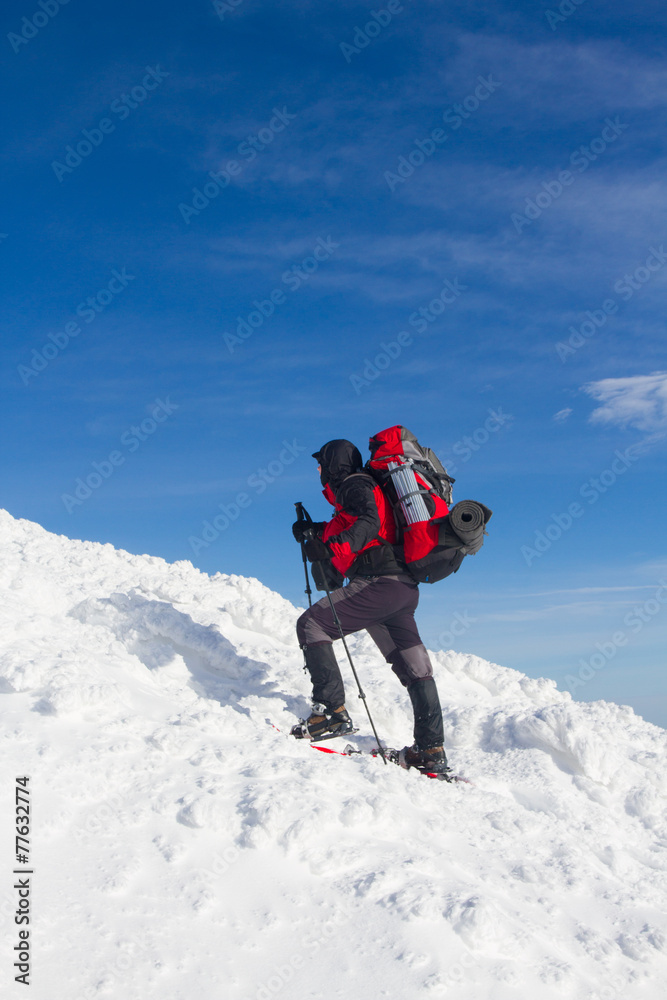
pixel 338 460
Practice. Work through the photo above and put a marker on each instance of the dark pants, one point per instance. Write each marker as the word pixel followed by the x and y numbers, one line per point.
pixel 384 606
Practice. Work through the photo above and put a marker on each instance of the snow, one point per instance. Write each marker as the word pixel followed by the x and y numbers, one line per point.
pixel 182 847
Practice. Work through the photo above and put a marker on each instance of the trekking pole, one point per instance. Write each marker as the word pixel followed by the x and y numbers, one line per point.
pixel 303 515
pixel 362 694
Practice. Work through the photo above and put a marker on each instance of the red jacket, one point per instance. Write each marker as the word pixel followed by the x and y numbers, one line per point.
pixel 362 530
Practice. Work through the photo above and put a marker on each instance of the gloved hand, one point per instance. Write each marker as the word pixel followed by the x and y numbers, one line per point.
pixel 299 529
pixel 316 550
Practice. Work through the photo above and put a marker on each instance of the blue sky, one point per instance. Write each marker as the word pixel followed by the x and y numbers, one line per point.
pixel 232 232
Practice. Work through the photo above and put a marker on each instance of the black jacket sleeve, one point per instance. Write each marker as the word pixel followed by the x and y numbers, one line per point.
pixel 356 497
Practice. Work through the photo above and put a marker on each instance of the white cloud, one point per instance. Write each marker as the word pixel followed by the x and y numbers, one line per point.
pixel 562 415
pixel 638 401
pixel 602 76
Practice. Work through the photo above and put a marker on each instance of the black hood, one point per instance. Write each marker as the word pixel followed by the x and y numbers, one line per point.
pixel 338 459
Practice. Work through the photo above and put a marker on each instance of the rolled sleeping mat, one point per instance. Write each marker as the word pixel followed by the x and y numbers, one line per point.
pixel 465 523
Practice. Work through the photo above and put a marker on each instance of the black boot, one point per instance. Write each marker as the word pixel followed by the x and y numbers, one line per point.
pixel 433 761
pixel 322 665
pixel 323 724
pixel 429 731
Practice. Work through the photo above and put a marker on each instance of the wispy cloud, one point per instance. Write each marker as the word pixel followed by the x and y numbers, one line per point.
pixel 565 612
pixel 638 401
pixel 600 74
pixel 588 590
pixel 562 415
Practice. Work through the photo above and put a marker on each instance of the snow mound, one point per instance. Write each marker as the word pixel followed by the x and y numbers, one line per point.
pixel 183 846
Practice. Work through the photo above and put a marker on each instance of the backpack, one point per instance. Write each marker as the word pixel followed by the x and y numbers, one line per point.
pixel 434 537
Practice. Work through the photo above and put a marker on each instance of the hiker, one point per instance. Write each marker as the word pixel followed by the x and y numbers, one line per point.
pixel 381 597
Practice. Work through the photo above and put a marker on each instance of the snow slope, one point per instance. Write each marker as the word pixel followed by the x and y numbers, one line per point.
pixel 184 849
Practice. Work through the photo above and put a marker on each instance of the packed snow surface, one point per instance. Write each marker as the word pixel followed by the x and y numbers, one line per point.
pixel 184 849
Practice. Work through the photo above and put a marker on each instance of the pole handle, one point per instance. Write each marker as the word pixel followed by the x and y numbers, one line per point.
pixel 303 515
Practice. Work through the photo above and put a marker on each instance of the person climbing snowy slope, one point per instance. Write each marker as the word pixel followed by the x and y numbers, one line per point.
pixel 381 597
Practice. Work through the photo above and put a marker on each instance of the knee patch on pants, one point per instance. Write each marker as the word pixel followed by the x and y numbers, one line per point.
pixel 309 631
pixel 411 665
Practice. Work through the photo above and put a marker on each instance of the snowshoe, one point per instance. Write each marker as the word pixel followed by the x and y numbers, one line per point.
pixel 322 724
pixel 433 761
